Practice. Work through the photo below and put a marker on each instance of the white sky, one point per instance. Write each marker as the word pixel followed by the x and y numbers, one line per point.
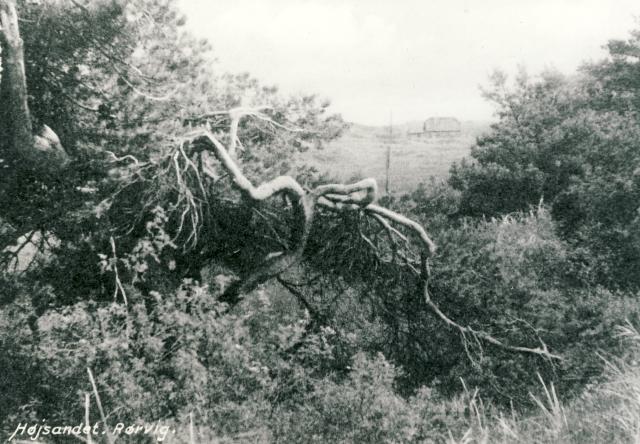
pixel 416 58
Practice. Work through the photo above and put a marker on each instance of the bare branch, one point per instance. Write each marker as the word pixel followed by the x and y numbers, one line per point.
pixel 120 159
pixel 273 265
pixel 11 254
pixel 298 294
pixel 361 193
pixel 110 438
pixel 281 184
pixel 406 222
pixel 119 286
pixel 390 230
pixel 477 334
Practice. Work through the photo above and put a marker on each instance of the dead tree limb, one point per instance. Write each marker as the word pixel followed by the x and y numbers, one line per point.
pixel 303 207
pixel 542 350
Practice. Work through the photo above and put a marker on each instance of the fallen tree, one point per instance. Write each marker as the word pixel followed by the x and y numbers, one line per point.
pixel 197 153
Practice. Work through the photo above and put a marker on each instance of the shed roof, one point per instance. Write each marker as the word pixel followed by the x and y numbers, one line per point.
pixel 437 124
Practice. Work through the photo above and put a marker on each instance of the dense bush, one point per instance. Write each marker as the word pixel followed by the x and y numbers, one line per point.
pixel 515 278
pixel 557 142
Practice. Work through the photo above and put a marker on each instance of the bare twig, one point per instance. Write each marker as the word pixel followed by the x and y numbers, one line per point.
pixel 87 403
pixel 120 159
pixel 115 272
pixel 480 335
pixel 100 409
pixel 12 253
pixel 192 435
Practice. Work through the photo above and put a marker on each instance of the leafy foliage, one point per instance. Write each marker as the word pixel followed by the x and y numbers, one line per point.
pixel 537 233
pixel 556 142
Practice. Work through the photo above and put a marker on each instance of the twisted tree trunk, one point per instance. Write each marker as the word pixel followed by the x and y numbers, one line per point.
pixel 360 196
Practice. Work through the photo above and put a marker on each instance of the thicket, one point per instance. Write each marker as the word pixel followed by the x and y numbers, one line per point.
pixel 133 255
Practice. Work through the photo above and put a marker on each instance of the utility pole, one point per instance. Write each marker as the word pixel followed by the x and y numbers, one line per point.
pixel 388 162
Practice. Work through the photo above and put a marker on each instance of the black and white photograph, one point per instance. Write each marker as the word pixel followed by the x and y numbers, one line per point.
pixel 319 221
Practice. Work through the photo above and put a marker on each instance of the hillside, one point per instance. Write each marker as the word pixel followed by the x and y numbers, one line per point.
pixel 361 151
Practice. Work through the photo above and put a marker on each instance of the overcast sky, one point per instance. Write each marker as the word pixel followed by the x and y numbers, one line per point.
pixel 414 58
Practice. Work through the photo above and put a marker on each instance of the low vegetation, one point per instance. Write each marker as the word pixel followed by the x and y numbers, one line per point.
pixel 362 151
pixel 191 265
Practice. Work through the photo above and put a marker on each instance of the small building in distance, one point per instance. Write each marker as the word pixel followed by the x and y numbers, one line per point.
pixel 439 127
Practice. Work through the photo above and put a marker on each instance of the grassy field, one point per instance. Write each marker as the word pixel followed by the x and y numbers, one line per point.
pixel 361 152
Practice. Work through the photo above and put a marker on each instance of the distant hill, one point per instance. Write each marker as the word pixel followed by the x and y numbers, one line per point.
pixel 469 127
pixel 361 152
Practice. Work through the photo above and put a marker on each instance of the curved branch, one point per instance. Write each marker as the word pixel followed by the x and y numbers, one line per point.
pixel 281 184
pixel 542 350
pixel 406 222
pixel 359 196
pixel 340 194
pixel 303 208
pixel 481 335
pixel 341 197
